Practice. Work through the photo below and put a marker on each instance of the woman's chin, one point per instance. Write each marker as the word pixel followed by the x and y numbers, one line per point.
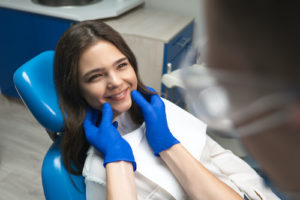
pixel 117 110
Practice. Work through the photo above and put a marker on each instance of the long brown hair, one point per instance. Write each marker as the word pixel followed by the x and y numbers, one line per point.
pixel 68 52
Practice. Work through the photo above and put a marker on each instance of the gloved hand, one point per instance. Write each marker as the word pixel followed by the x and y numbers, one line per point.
pixel 158 134
pixel 106 138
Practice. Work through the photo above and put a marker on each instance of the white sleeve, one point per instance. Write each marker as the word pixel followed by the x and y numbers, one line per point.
pixel 95 191
pixel 239 172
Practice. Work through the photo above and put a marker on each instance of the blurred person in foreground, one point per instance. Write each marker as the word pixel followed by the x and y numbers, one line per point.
pixel 250 86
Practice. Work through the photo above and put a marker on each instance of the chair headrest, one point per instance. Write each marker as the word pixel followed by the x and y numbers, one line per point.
pixel 34 82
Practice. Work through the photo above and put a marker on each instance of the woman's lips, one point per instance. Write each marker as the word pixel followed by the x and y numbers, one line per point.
pixel 119 96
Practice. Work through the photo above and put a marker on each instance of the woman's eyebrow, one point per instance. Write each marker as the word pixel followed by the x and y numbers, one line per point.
pixel 119 60
pixel 93 71
pixel 103 69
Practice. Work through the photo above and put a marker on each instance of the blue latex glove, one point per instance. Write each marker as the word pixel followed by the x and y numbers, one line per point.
pixel 106 138
pixel 158 134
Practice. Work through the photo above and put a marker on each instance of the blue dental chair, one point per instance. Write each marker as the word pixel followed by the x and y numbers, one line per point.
pixel 35 84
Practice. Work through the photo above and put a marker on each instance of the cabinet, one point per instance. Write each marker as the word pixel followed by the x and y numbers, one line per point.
pixel 175 52
pixel 156 38
pixel 22 36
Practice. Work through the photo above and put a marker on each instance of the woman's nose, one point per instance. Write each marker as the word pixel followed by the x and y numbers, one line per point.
pixel 114 80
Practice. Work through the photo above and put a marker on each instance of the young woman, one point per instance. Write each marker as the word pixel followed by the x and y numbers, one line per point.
pixel 105 104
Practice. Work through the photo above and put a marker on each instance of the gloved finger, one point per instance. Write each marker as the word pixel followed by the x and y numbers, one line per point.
pixel 115 124
pixel 141 101
pixel 88 125
pixel 150 89
pixel 155 99
pixel 88 120
pixel 107 114
pixel 94 115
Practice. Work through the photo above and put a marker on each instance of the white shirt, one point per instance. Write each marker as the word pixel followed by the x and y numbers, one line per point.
pixel 152 177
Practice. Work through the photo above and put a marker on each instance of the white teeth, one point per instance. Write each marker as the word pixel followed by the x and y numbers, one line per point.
pixel 118 95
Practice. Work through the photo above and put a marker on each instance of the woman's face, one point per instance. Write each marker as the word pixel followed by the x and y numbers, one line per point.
pixel 105 75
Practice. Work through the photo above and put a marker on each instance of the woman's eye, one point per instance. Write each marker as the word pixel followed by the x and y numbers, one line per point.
pixel 94 77
pixel 122 65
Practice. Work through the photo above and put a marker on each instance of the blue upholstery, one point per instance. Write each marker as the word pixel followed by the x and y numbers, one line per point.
pixel 56 180
pixel 35 85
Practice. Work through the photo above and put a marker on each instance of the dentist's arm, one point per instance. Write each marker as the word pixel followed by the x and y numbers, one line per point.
pixel 118 156
pixel 196 180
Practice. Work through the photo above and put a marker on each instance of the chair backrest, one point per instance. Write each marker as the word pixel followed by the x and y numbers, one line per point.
pixel 34 82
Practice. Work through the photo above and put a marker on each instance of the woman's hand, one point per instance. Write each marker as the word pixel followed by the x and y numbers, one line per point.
pixel 106 138
pixel 158 134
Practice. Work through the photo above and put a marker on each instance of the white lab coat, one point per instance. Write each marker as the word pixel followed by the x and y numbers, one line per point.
pixel 152 171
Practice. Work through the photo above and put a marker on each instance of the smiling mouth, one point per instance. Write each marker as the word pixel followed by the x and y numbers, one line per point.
pixel 118 97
